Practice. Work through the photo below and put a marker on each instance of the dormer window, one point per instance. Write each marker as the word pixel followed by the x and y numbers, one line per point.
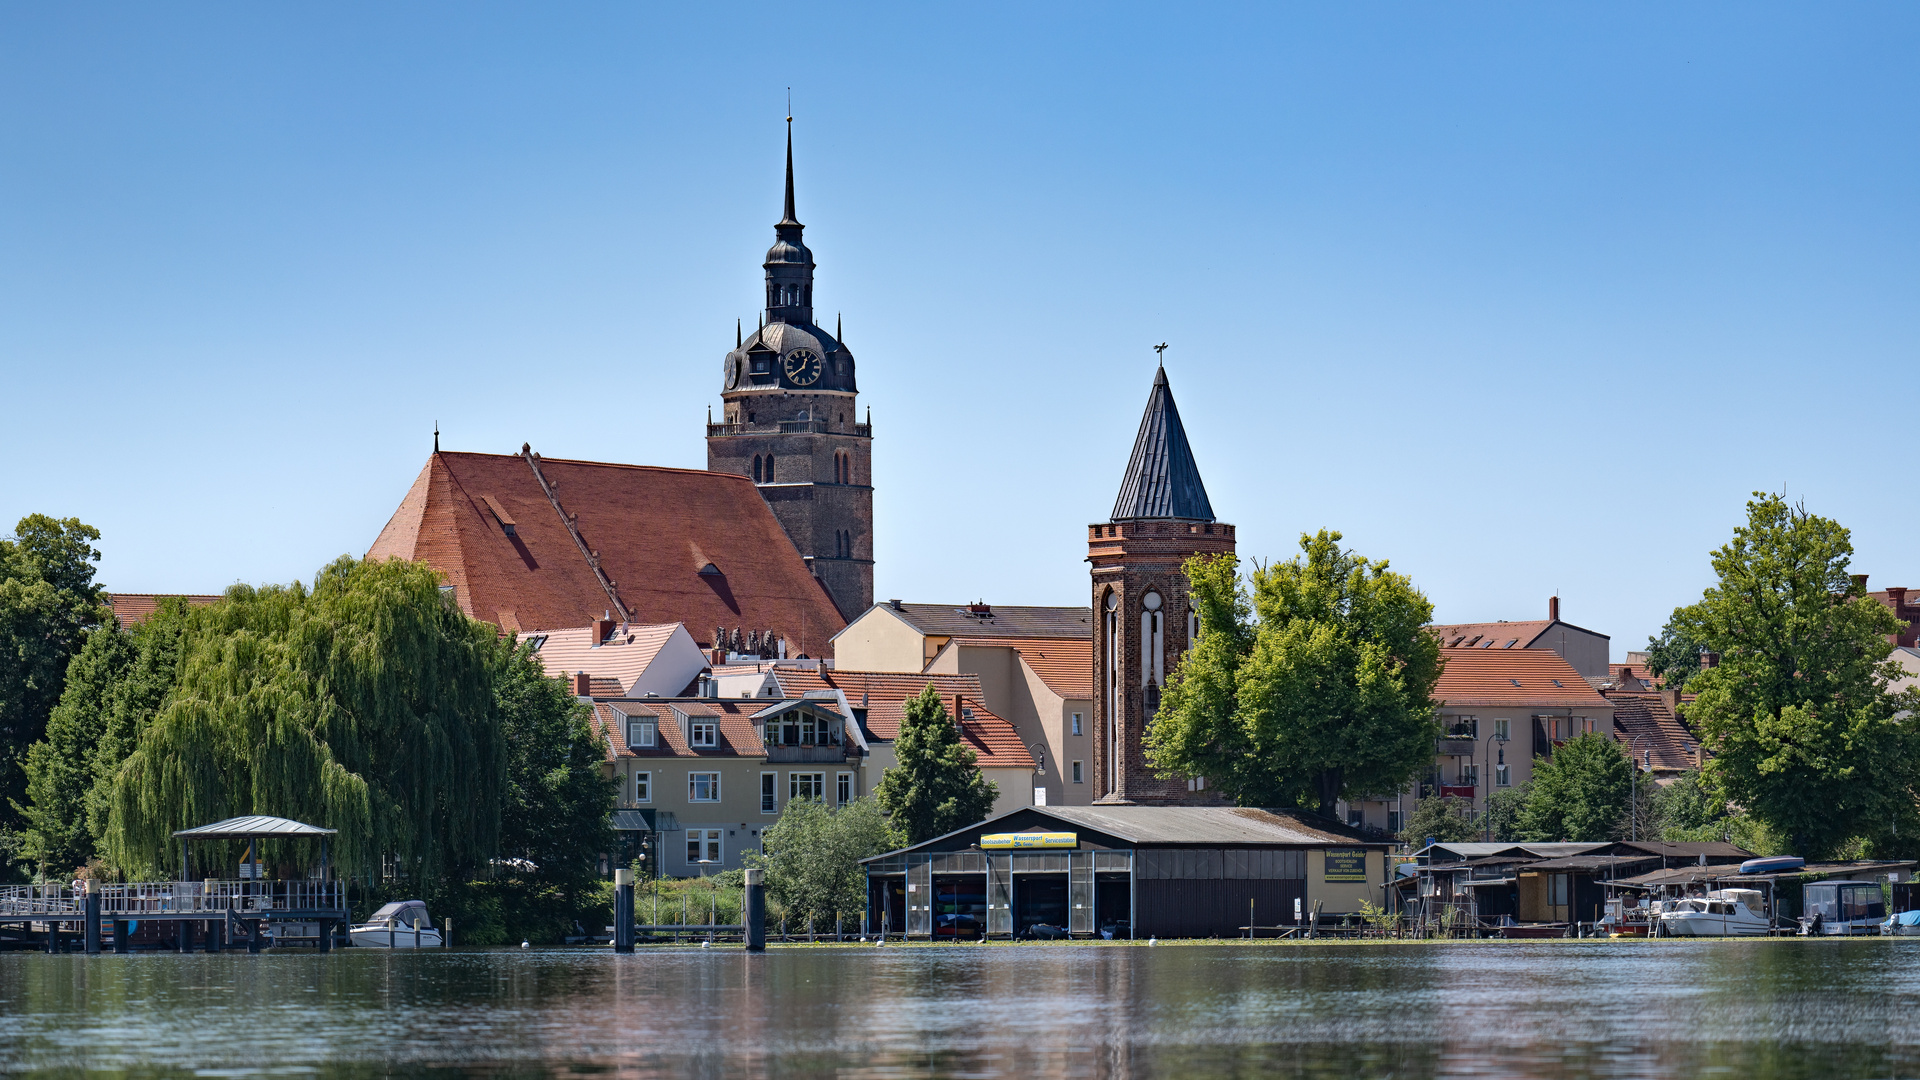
pixel 640 733
pixel 704 733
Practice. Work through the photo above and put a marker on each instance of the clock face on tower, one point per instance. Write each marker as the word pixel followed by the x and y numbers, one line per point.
pixel 803 367
pixel 731 370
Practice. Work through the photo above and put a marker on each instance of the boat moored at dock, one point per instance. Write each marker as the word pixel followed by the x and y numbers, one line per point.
pixel 1720 913
pixel 402 924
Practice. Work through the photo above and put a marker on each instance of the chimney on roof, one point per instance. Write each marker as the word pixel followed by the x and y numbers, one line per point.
pixel 1553 609
pixel 980 607
pixel 1860 582
pixel 582 684
pixel 896 605
pixel 1709 659
pixel 1897 594
pixel 603 629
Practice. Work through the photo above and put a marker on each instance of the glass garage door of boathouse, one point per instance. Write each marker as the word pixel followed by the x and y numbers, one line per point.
pixel 963 894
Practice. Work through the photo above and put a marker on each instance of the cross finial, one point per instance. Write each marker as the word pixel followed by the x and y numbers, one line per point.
pixel 1160 352
pixel 436 436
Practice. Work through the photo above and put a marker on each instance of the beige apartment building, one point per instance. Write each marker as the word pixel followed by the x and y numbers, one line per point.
pixel 1500 709
pixel 1034 666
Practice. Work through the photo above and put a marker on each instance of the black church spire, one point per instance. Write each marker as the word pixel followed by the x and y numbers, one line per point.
pixel 789 264
pixel 1162 479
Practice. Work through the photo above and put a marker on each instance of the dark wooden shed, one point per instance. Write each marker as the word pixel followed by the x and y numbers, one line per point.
pixel 1160 871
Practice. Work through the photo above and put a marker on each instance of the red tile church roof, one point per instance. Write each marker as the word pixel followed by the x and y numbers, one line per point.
pixel 655 529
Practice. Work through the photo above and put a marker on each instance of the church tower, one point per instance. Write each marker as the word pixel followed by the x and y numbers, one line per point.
pixel 1142 620
pixel 789 421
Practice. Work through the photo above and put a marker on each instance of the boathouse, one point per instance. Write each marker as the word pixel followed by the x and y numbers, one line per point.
pixel 1144 871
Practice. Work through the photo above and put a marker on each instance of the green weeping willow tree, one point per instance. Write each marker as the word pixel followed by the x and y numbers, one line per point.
pixel 363 705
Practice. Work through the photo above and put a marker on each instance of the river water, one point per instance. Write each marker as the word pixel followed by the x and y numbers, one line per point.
pixel 1773 1009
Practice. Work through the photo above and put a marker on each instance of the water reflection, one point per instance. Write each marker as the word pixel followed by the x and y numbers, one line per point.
pixel 1546 1009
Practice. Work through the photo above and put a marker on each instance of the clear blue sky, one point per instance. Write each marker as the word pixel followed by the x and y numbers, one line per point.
pixel 1526 298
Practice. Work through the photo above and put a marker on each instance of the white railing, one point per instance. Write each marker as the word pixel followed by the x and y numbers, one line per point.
pixel 160 898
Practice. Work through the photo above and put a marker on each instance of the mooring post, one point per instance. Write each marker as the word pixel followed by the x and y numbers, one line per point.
pixel 326 935
pixel 755 914
pixel 214 927
pixel 121 937
pixel 623 911
pixel 91 927
pixel 53 936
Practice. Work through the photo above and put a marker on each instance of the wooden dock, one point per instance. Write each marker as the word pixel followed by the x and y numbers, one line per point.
pixel 215 914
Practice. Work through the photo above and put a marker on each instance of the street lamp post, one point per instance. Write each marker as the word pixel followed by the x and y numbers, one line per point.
pixel 1633 802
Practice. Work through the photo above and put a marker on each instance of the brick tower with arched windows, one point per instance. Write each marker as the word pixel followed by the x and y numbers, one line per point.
pixel 1142 620
pixel 791 423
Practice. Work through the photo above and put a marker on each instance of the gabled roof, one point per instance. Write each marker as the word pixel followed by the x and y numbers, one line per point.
pixel 1065 665
pixel 1151 826
pixel 133 609
pixel 1162 480
pixel 989 620
pixel 880 698
pixel 653 529
pixel 622 658
pixel 1645 724
pixel 1513 678
pixel 1499 635
pixel 738 720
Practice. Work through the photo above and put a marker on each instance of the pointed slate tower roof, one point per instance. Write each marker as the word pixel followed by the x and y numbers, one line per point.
pixel 1162 480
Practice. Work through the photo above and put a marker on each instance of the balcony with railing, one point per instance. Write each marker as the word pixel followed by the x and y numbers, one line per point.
pixel 806 755
pixel 791 427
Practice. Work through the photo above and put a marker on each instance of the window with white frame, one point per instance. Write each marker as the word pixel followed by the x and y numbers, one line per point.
pixel 703 787
pixel 1198 783
pixel 705 733
pixel 1079 776
pixel 807 785
pixel 1077 730
pixel 1500 729
pixel 703 846
pixel 769 795
pixel 643 787
pixel 639 732
pixel 843 788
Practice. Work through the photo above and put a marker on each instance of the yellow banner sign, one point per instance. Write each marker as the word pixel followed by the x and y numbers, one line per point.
pixel 1018 840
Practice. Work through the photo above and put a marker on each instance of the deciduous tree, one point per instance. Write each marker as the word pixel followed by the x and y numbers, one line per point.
pixel 1317 686
pixel 1579 793
pixel 934 786
pixel 363 704
pixel 812 857
pixel 1804 734
pixel 555 812
pixel 48 603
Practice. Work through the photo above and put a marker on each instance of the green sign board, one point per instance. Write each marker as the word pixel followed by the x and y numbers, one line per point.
pixel 1347 864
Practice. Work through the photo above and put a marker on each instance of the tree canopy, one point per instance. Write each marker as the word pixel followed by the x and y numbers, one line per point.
pixel 1442 819
pixel 1580 793
pixel 363 704
pixel 48 604
pixel 1673 657
pixel 1804 734
pixel 556 809
pixel 934 786
pixel 812 857
pixel 1317 686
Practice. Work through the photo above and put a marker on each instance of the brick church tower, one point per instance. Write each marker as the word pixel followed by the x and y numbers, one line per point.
pixel 789 422
pixel 1142 621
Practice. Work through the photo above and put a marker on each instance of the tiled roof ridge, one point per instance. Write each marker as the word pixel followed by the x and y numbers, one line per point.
pixel 545 460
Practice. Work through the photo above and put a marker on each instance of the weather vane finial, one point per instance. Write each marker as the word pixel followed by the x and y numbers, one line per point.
pixel 1160 353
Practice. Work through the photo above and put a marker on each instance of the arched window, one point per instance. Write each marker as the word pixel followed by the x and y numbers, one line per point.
pixel 769 468
pixel 1152 643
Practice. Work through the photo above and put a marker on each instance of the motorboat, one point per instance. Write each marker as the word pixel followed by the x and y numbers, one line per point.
pixel 402 924
pixel 1902 924
pixel 1773 864
pixel 1720 913
pixel 1843 907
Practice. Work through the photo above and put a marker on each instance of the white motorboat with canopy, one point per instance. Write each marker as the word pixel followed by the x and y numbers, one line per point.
pixel 1720 913
pixel 402 924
